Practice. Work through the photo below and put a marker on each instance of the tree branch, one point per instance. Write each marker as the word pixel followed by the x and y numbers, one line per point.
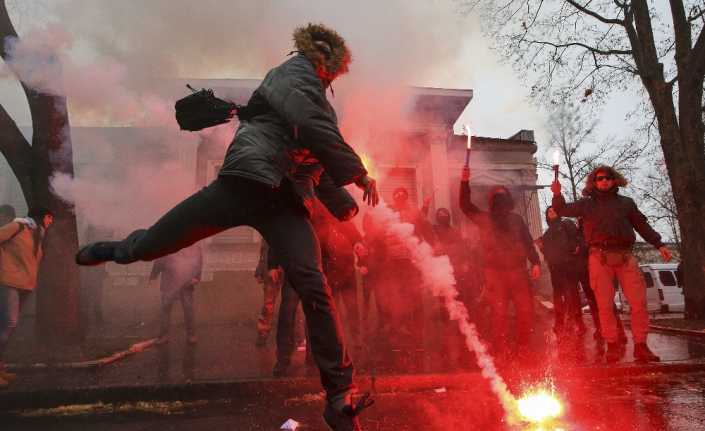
pixel 18 153
pixel 594 14
pixel 681 30
pixel 581 45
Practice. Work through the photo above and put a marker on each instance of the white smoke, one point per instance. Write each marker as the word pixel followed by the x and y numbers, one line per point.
pixel 437 274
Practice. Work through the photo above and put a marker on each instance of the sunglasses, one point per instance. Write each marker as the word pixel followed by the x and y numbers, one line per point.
pixel 603 178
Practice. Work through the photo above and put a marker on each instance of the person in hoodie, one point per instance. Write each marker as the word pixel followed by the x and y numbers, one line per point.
pixel 609 220
pixel 287 145
pixel 21 252
pixel 506 244
pixel 402 296
pixel 180 272
pixel 560 245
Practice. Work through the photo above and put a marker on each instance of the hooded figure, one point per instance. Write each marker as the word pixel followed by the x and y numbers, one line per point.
pixel 289 140
pixel 560 245
pixel 506 245
pixel 609 220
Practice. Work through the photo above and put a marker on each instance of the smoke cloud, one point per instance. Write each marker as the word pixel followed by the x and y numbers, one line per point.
pixel 437 274
pixel 111 60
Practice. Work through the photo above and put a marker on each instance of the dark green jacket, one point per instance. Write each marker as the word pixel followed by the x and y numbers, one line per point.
pixel 293 134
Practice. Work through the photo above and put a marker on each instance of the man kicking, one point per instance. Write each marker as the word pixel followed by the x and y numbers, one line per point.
pixel 286 143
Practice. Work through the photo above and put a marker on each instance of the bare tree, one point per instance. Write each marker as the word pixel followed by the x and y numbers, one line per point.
pixel 34 165
pixel 594 47
pixel 572 134
pixel 654 192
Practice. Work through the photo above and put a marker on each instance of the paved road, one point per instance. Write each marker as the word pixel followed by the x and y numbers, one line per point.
pixel 644 403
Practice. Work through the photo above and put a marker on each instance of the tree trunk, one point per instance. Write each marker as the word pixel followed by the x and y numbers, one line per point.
pixel 58 314
pixel 681 144
pixel 49 154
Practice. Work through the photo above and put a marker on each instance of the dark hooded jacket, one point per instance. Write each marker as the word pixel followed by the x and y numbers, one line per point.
pixel 561 244
pixel 292 131
pixel 505 239
pixel 609 219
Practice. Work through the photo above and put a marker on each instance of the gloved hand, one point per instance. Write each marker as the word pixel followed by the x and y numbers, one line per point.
pixel 369 187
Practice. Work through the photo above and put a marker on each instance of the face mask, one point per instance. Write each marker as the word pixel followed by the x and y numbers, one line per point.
pixel 443 220
pixel 502 203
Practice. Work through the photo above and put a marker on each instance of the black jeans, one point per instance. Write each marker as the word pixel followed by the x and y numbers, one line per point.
pixel 566 298
pixel 280 217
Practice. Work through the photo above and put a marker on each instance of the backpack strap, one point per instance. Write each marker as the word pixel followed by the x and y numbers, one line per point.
pixel 15 234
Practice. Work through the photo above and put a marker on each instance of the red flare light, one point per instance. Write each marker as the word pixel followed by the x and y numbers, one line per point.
pixel 539 406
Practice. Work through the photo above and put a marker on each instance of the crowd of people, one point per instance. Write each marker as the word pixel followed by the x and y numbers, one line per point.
pixel 492 273
pixel 284 175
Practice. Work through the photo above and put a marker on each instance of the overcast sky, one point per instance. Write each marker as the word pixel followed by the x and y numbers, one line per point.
pixel 422 42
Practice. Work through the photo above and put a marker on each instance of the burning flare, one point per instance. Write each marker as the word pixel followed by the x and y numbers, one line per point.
pixel 539 406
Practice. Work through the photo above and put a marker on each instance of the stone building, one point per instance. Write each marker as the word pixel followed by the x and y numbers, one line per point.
pixel 427 161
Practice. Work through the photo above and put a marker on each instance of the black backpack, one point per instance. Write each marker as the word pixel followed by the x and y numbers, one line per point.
pixel 202 109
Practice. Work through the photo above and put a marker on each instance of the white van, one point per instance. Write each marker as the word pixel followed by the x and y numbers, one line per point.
pixel 663 277
pixel 654 297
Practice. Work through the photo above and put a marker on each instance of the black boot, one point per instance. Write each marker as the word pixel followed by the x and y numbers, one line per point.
pixel 643 354
pixel 614 353
pixel 342 415
pixel 96 253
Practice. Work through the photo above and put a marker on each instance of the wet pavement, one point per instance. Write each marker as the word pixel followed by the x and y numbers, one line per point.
pixel 224 382
pixel 647 402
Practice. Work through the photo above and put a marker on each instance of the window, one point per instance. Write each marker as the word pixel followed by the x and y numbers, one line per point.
pixel 667 278
pixel 649 279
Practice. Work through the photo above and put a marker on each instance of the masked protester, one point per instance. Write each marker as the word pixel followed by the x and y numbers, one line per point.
pixel 271 276
pixel 402 296
pixel 609 221
pixel 450 242
pixel 180 273
pixel 287 144
pixel 507 244
pixel 21 252
pixel 560 245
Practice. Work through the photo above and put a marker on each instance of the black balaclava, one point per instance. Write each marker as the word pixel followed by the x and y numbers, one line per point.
pixel 443 217
pixel 548 220
pixel 501 203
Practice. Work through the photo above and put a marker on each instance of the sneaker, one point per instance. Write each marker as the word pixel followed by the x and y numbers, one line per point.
pixel 345 418
pixel 614 353
pixel 643 354
pixel 9 377
pixel 96 253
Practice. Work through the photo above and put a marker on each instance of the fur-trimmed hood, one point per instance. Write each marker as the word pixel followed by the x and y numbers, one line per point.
pixel 619 180
pixel 325 48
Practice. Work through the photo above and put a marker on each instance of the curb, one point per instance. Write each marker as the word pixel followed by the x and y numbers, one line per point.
pixel 11 403
pixel 678 331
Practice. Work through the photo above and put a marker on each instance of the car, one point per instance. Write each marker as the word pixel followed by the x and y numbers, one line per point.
pixel 664 277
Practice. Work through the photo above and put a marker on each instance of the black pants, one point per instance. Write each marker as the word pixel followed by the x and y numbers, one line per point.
pixel 286 326
pixel 566 298
pixel 283 222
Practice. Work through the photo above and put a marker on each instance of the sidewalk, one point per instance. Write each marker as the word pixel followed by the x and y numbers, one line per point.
pixel 226 363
